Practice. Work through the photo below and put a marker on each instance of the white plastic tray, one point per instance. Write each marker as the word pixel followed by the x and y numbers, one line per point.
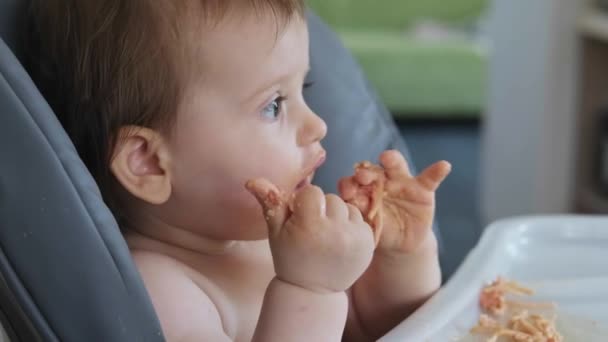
pixel 563 258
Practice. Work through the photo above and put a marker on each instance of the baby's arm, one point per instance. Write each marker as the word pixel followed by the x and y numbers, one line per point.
pixel 405 270
pixel 390 290
pixel 319 248
pixel 293 313
pixel 187 314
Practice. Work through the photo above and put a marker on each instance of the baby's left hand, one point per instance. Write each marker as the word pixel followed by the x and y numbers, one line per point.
pixel 398 206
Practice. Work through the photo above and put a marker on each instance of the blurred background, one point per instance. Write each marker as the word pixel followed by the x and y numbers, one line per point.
pixel 513 93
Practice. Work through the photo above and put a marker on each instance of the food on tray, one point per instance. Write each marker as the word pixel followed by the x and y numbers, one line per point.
pixel 505 319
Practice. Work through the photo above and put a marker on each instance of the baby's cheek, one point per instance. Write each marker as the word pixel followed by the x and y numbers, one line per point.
pixel 240 200
pixel 284 176
pixel 237 209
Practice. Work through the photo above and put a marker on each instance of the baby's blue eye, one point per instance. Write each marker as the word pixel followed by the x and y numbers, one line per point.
pixel 273 109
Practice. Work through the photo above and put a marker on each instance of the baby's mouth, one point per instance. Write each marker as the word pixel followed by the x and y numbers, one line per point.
pixel 306 181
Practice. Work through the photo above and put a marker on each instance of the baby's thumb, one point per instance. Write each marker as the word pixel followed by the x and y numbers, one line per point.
pixel 433 175
pixel 273 204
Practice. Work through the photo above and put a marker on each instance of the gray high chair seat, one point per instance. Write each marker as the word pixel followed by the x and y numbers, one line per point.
pixel 65 271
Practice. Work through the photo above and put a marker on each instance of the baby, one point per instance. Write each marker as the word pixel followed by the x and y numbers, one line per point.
pixel 190 116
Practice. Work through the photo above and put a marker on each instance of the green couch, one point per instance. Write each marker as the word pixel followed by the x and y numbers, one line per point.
pixel 414 77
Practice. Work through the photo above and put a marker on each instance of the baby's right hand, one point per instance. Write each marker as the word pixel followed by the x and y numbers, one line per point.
pixel 317 241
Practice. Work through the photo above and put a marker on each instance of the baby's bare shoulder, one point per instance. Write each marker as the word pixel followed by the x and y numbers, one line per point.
pixel 186 312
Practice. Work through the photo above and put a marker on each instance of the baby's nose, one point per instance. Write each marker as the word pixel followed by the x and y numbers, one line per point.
pixel 313 129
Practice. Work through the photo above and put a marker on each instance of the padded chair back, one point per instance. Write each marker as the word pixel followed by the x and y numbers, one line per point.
pixel 65 271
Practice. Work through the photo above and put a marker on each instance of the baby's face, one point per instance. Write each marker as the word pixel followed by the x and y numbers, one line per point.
pixel 245 118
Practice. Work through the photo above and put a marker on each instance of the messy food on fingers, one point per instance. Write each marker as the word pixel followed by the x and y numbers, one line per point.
pixel 376 195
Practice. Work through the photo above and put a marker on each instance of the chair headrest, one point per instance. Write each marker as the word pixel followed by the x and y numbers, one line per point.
pixel 65 270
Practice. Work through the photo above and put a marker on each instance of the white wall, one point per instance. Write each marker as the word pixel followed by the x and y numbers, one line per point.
pixel 529 136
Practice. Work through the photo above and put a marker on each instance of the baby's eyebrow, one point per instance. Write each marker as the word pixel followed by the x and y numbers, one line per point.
pixel 262 89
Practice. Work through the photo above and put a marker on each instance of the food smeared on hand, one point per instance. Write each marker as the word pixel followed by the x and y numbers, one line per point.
pixel 397 205
pixel 277 205
pixel 376 193
pixel 510 319
pixel 272 200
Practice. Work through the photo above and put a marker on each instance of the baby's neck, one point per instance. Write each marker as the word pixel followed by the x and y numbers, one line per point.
pixel 158 233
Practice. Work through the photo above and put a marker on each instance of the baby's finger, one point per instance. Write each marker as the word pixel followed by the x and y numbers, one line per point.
pixel 394 164
pixel 354 214
pixel 367 176
pixel 335 207
pixel 433 175
pixel 347 187
pixel 377 226
pixel 309 203
pixel 274 207
pixel 361 201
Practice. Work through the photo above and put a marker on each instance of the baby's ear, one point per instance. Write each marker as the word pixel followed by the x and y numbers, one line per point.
pixel 141 164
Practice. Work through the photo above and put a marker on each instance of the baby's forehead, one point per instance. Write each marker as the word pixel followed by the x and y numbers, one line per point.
pixel 208 38
pixel 245 48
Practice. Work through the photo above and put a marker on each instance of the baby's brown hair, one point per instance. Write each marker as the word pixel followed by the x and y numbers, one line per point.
pixel 107 64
